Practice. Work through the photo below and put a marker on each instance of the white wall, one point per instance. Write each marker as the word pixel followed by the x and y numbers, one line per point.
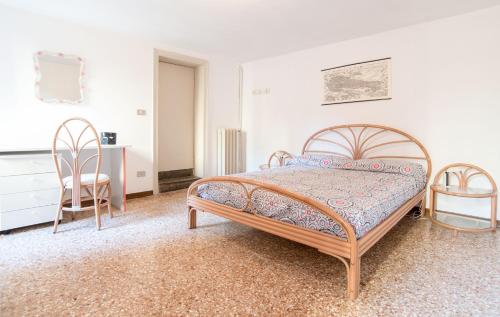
pixel 119 79
pixel 175 117
pixel 446 92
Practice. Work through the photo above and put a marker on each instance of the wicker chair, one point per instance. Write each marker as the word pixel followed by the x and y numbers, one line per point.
pixel 83 186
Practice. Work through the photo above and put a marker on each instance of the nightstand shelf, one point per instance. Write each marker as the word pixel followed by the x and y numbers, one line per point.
pixel 464 192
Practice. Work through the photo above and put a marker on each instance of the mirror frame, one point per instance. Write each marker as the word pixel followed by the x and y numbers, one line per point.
pixel 36 57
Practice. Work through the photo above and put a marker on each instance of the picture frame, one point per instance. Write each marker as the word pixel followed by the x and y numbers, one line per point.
pixel 357 82
pixel 59 77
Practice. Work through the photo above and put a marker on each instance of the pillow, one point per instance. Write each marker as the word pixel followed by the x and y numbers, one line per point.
pixel 324 161
pixel 388 166
pixel 373 165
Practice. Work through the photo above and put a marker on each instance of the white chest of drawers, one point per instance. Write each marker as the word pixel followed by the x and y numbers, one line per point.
pixel 29 190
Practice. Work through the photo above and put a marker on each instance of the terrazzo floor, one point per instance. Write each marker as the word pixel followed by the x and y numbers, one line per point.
pixel 145 262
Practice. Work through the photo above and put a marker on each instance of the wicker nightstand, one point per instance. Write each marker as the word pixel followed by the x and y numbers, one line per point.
pixel 461 173
pixel 278 158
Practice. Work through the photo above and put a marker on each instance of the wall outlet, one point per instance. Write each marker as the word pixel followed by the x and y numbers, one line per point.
pixel 141 173
pixel 141 112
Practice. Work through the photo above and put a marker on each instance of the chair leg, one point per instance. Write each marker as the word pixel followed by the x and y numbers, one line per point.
pixel 110 210
pixel 72 212
pixel 97 207
pixel 59 209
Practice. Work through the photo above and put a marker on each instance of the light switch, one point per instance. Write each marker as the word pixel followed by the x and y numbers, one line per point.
pixel 261 91
pixel 141 173
pixel 141 112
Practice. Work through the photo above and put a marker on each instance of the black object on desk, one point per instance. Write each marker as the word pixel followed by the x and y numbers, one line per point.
pixel 108 138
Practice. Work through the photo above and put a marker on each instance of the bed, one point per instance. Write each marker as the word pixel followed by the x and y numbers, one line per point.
pixel 349 187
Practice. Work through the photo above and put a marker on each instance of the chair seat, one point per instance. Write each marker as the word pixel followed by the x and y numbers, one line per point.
pixel 86 180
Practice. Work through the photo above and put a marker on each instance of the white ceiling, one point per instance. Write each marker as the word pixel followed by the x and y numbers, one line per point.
pixel 249 29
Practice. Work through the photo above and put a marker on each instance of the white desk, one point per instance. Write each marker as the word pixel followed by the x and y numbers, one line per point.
pixel 29 185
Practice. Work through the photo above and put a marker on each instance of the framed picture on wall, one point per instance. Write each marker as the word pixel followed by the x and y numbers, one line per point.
pixel 357 82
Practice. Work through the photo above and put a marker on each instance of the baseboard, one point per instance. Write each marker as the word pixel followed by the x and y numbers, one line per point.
pixel 139 194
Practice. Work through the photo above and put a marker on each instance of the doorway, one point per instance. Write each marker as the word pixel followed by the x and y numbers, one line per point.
pixel 176 126
pixel 179 157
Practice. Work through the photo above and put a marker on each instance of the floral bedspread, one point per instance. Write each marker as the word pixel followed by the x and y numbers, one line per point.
pixel 364 192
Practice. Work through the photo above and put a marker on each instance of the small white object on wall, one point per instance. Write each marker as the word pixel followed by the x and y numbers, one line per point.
pixel 262 91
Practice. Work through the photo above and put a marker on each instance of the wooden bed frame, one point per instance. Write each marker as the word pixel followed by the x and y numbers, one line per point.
pixel 353 141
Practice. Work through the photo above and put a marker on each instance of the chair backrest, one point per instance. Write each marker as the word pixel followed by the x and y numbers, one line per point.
pixel 64 142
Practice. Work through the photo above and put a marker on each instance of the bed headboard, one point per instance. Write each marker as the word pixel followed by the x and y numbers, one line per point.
pixel 370 141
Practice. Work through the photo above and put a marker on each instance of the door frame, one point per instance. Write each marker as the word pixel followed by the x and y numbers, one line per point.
pixel 200 109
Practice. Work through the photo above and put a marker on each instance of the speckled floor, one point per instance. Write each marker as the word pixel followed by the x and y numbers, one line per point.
pixel 146 262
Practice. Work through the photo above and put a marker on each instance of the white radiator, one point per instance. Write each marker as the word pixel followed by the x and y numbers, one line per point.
pixel 229 151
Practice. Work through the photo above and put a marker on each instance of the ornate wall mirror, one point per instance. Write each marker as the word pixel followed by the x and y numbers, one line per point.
pixel 59 77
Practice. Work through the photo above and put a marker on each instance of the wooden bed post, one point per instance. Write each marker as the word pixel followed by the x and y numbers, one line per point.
pixel 423 204
pixel 192 190
pixel 191 218
pixel 353 275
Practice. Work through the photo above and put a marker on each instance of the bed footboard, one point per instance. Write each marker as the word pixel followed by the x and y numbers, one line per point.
pixel 346 250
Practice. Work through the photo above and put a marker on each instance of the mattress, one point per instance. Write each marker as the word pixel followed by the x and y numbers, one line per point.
pixel 363 192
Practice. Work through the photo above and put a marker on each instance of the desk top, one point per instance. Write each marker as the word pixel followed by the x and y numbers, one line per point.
pixel 19 150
